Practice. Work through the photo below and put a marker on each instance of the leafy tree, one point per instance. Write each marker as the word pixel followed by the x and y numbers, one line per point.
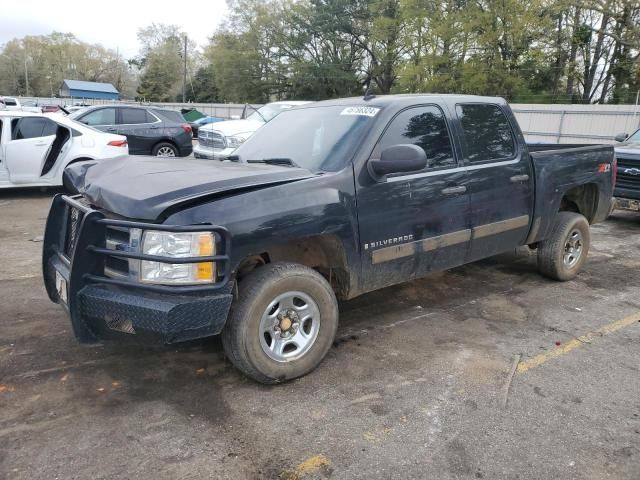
pixel 203 88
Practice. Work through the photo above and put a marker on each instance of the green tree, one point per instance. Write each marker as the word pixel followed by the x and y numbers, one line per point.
pixel 161 62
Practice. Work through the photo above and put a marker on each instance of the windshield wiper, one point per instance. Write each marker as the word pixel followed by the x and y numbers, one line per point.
pixel 276 161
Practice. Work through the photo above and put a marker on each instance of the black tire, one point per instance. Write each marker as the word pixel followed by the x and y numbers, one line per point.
pixel 551 252
pixel 241 334
pixel 164 146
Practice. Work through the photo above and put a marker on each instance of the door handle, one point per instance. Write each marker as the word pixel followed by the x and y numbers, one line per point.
pixel 519 178
pixel 454 190
pixel 41 144
pixel 111 129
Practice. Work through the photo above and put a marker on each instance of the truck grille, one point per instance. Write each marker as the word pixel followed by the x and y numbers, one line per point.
pixel 211 139
pixel 117 239
pixel 73 229
pixel 628 173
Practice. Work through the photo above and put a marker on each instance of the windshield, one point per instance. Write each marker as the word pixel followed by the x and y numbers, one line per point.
pixel 317 138
pixel 268 112
pixel 635 138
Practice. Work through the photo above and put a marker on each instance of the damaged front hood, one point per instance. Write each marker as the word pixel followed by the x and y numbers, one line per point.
pixel 144 187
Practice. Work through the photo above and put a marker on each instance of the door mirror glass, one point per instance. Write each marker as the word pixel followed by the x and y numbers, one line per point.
pixel 402 158
pixel 621 137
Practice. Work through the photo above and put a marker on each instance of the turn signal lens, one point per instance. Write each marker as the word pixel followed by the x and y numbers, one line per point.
pixel 205 271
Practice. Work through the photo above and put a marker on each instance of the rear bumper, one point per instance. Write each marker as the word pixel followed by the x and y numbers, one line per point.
pixel 101 307
pixel 186 150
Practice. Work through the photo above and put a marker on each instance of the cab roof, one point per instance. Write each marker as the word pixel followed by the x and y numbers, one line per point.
pixel 408 99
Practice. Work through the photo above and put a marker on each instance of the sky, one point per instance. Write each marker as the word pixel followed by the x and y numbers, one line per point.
pixel 112 23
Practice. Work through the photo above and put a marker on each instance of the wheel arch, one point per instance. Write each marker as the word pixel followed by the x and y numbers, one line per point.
pixel 583 199
pixel 324 253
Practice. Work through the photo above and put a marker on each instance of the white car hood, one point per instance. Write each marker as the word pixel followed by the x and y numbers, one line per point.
pixel 233 127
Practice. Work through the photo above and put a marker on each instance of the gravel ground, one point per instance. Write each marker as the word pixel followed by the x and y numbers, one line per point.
pixel 415 386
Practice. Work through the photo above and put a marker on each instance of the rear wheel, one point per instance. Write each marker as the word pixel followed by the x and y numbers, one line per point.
pixel 283 323
pixel 562 255
pixel 164 149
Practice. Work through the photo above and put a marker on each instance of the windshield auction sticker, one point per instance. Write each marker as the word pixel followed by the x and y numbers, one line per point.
pixel 364 111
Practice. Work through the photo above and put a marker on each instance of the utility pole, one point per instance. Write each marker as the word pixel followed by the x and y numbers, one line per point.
pixel 184 73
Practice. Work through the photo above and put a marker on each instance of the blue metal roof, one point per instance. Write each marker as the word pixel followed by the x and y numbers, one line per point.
pixel 90 86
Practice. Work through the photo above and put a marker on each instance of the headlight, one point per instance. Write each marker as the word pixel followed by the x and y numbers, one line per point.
pixel 235 142
pixel 177 245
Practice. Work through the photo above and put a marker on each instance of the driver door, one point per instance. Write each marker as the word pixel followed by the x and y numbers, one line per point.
pixel 416 222
pixel 27 149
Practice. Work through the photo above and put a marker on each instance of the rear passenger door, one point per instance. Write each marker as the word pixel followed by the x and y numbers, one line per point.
pixel 413 223
pixel 141 128
pixel 500 179
pixel 25 153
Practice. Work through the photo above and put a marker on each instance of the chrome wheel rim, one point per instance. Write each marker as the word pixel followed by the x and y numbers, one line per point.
pixel 166 152
pixel 289 326
pixel 573 248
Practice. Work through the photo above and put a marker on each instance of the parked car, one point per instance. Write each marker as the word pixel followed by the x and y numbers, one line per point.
pixel 195 126
pixel 150 130
pixel 327 201
pixel 11 103
pixel 53 109
pixel 36 148
pixel 627 190
pixel 218 141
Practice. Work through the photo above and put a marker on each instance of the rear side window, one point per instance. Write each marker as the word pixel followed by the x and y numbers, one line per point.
pixel 102 116
pixel 487 132
pixel 171 115
pixel 132 116
pixel 32 127
pixel 422 126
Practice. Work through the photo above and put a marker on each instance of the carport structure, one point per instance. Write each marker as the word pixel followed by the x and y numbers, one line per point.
pixel 92 90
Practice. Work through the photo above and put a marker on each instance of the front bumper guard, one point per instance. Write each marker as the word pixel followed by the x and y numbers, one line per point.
pixel 99 305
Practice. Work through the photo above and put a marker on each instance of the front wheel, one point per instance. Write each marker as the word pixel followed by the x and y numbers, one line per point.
pixel 562 255
pixel 164 149
pixel 283 323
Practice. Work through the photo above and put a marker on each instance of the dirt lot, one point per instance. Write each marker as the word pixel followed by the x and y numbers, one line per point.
pixel 414 387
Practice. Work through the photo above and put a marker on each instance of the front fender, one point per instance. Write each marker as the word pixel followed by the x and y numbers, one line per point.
pixel 265 219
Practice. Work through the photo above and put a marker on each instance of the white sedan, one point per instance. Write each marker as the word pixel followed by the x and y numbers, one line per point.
pixel 36 148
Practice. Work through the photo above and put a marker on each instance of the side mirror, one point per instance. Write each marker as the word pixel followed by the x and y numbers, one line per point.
pixel 621 137
pixel 399 159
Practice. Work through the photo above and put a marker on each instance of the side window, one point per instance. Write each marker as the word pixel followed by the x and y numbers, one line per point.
pixel 133 116
pixel 50 127
pixel 102 116
pixel 32 127
pixel 422 126
pixel 487 132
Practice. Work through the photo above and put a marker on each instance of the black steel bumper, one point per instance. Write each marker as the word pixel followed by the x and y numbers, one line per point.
pixel 74 256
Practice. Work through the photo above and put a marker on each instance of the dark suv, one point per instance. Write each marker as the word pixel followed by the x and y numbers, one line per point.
pixel 149 130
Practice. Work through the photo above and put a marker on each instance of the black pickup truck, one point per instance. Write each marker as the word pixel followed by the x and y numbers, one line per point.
pixel 328 201
pixel 627 190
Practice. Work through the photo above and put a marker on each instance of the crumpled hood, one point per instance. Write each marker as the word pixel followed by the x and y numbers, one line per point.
pixel 144 187
pixel 233 127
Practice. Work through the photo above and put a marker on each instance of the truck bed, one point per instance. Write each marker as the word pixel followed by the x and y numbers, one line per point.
pixel 561 168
